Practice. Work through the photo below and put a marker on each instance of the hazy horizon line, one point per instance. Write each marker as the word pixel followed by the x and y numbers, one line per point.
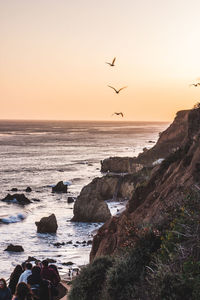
pixel 85 120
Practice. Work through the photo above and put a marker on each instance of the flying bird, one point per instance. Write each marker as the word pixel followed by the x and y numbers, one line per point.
pixel 112 64
pixel 195 84
pixel 118 114
pixel 117 91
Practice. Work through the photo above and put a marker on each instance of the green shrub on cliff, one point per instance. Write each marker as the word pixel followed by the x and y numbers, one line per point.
pixel 163 265
pixel 88 285
pixel 176 267
pixel 128 270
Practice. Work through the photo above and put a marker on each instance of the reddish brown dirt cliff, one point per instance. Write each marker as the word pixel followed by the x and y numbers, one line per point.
pixel 168 142
pixel 167 186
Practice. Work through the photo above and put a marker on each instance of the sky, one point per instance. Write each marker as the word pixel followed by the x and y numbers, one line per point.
pixel 53 54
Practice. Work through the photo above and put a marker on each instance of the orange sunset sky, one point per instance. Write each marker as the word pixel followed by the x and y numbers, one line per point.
pixel 53 54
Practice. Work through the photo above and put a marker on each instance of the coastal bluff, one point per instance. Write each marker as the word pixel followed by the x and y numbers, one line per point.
pixel 169 140
pixel 123 174
pixel 166 186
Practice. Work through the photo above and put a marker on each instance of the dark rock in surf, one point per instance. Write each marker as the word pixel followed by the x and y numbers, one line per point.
pixel 59 244
pixel 51 260
pixel 71 199
pixel 28 189
pixel 31 258
pixel 16 198
pixel 59 188
pixel 36 200
pixel 14 248
pixel 14 190
pixel 47 224
pixel 69 243
pixel 69 263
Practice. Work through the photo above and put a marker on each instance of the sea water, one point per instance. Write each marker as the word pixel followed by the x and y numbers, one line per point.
pixel 41 153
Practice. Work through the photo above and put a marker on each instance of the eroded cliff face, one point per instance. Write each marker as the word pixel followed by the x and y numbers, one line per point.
pixel 90 205
pixel 169 140
pixel 166 187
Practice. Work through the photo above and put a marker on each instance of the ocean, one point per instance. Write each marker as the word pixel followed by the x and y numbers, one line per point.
pixel 41 153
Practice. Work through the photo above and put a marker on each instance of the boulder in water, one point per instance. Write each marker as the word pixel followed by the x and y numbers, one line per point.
pixel 31 258
pixel 47 224
pixel 14 248
pixel 28 189
pixel 70 199
pixel 16 198
pixel 59 188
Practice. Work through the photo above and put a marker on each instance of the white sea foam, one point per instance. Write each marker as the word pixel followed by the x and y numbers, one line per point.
pixel 157 162
pixel 13 219
pixel 34 160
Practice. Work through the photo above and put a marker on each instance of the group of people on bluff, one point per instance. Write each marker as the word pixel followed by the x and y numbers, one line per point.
pixel 29 282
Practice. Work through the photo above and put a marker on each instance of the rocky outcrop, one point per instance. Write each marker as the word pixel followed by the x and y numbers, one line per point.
pixel 169 141
pixel 60 187
pixel 165 189
pixel 28 189
pixel 120 165
pixel 47 224
pixel 16 198
pixel 14 248
pixel 71 199
pixel 90 205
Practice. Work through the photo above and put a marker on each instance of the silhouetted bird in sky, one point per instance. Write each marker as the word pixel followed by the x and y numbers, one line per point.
pixel 195 84
pixel 113 62
pixel 117 91
pixel 118 114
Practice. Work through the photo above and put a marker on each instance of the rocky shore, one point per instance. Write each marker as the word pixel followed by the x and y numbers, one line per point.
pixel 122 175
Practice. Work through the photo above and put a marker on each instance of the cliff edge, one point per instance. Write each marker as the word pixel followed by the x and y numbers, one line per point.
pixel 169 140
pixel 180 170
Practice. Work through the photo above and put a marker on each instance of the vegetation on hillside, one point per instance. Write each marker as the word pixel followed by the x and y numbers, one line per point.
pixel 164 264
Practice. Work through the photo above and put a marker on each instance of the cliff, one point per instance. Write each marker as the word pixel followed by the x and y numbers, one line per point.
pixel 166 187
pixel 90 205
pixel 169 140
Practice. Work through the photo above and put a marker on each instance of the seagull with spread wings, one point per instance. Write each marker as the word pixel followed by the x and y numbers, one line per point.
pixel 112 64
pixel 195 84
pixel 117 91
pixel 118 114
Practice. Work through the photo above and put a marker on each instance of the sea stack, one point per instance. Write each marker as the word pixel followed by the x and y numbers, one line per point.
pixel 59 188
pixel 47 224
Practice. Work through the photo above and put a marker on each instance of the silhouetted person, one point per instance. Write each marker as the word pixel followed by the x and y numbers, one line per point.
pixel 23 292
pixel 56 270
pixel 41 288
pixel 14 278
pixel 24 266
pixel 49 273
pixel 23 277
pixel 5 292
